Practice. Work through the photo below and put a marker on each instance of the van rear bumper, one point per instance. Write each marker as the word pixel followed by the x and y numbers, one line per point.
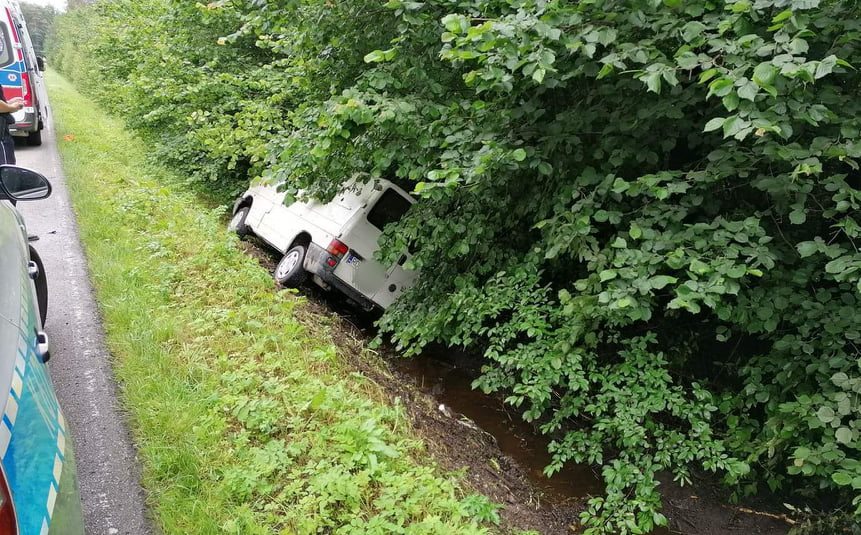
pixel 29 124
pixel 315 264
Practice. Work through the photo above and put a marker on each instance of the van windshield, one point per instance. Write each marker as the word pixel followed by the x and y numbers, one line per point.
pixel 6 52
pixel 390 207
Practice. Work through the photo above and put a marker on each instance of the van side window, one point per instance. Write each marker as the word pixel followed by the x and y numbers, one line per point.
pixel 390 207
pixel 7 55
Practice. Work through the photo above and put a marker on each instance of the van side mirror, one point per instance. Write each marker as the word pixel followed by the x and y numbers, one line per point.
pixel 40 63
pixel 19 184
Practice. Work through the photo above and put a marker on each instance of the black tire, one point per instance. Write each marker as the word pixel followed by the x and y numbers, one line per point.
pixel 237 222
pixel 41 284
pixel 290 271
pixel 34 139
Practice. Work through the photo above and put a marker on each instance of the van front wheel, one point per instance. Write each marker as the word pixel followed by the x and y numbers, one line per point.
pixel 290 271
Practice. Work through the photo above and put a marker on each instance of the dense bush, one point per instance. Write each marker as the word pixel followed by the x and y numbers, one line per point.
pixel 644 213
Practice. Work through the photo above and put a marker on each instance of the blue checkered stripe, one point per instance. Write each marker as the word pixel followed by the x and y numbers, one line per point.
pixel 11 75
pixel 32 432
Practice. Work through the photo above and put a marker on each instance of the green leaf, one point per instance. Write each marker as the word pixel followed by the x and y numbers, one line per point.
pixel 688 60
pixel 699 267
pixel 764 74
pixel 737 271
pixel 624 302
pixel 519 155
pixel 733 125
pixel 797 217
pixel 748 91
pixel 714 124
pixel 653 82
pixel 840 379
pixel 720 87
pixel 708 75
pixel 607 274
pixel 375 57
pixel 825 67
pixel 807 248
pixel 619 243
pixel 798 46
pixel 825 414
pixel 843 435
pixel 841 478
pixel 660 281
pixel 589 49
pixel 692 30
pixel 318 399
pixel 742 6
pixel 545 168
pixel 730 101
pixel 837 265
pixel 605 71
pixel 782 16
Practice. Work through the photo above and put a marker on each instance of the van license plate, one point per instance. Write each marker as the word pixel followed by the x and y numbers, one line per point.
pixel 353 260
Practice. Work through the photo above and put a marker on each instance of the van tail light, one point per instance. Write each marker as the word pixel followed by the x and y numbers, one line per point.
pixel 337 248
pixel 8 520
pixel 26 90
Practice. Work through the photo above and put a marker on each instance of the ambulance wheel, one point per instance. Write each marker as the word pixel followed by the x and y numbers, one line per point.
pixel 290 271
pixel 34 139
pixel 237 222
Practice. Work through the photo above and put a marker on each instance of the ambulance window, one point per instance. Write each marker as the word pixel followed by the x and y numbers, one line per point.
pixel 6 52
pixel 390 207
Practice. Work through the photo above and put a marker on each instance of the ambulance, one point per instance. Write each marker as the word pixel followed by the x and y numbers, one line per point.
pixel 21 74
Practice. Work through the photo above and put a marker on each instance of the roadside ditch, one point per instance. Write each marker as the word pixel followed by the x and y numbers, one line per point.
pixel 500 454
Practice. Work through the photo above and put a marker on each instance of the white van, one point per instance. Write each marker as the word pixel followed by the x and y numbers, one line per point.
pixel 333 242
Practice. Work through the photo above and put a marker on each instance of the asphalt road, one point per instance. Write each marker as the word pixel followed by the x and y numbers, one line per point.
pixel 112 499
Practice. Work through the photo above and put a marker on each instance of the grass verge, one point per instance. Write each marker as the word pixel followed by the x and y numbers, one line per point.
pixel 246 422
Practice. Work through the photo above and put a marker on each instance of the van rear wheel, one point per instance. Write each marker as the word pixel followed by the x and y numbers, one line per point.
pixel 290 271
pixel 34 139
pixel 237 222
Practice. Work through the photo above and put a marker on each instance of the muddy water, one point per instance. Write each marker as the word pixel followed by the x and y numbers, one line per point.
pixel 517 439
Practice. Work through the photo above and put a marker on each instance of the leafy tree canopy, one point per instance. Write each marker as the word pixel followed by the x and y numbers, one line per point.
pixel 40 21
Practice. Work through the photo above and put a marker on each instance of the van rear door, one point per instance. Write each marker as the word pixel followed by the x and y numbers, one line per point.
pixel 397 281
pixel 10 65
pixel 359 268
pixel 13 73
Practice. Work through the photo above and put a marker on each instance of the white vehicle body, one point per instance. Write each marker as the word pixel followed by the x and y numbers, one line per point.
pixel 339 237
